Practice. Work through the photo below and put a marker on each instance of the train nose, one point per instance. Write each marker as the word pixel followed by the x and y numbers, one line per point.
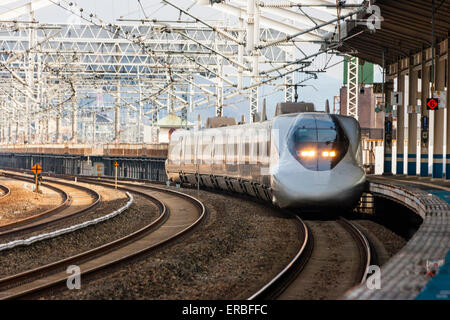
pixel 313 189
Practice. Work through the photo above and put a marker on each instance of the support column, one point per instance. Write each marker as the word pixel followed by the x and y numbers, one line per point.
pixel 58 123
pixel 387 168
pixel 16 141
pixel 412 121
pixel 9 129
pixel 289 78
pixel 74 119
pixel 353 85
pixel 219 89
pixel 388 130
pixel 400 120
pixel 191 93
pixel 438 146
pixel 169 99
pixel 240 54
pixel 94 124
pixel 117 115
pixel 425 123
pixel 252 42
pixel 139 120
pixel 447 84
pixel 155 114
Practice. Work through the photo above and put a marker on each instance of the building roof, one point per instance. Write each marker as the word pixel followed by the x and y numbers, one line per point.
pixel 405 29
pixel 217 122
pixel 173 121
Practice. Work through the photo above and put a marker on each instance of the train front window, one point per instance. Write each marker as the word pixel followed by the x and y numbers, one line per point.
pixel 326 135
pixel 305 134
pixel 317 142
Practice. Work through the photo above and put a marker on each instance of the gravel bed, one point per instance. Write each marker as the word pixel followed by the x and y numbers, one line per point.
pixel 19 259
pixel 23 202
pixel 111 200
pixel 241 246
pixel 386 242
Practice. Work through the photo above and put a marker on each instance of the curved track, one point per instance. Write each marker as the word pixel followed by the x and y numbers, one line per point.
pixel 287 283
pixel 179 213
pixel 279 283
pixel 5 191
pixel 76 199
pixel 285 280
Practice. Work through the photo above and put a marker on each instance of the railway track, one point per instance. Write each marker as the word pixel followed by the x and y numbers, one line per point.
pixel 76 200
pixel 286 283
pixel 179 213
pixel 5 191
pixel 286 278
pixel 279 283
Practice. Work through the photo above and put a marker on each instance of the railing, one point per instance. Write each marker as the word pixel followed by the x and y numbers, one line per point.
pixel 118 149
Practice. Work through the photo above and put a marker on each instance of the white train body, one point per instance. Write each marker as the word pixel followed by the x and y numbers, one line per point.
pixel 304 160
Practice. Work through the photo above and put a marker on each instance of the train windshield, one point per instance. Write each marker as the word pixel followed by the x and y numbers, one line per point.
pixel 318 142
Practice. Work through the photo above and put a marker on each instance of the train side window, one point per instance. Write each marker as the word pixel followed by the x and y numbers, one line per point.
pixel 199 150
pixel 195 148
pixel 218 148
pixel 253 147
pixel 241 150
pixel 208 148
pixel 187 150
pixel 230 147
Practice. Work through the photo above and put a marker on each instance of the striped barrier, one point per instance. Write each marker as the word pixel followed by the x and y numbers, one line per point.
pixel 404 276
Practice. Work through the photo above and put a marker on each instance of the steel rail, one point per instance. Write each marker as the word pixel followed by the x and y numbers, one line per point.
pixel 48 217
pixel 6 191
pixel 109 247
pixel 363 246
pixel 278 283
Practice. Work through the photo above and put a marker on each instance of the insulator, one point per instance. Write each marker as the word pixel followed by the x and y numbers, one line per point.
pixel 276 5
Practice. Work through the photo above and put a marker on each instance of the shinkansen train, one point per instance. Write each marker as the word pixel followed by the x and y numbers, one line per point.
pixel 301 160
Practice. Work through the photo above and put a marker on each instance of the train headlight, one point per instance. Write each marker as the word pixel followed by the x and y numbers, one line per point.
pixel 308 153
pixel 329 154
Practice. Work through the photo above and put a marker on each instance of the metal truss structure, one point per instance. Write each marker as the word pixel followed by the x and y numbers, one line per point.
pixel 128 71
pixel 352 86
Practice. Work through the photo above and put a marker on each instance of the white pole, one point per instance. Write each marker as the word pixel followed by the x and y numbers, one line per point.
pixel 115 178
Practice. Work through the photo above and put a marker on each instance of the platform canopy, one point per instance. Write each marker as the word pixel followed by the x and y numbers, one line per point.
pixel 405 29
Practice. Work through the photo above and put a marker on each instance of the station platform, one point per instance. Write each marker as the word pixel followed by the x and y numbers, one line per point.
pixel 438 183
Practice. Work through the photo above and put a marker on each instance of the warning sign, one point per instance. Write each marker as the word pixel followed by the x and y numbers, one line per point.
pixel 36 169
pixel 432 104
